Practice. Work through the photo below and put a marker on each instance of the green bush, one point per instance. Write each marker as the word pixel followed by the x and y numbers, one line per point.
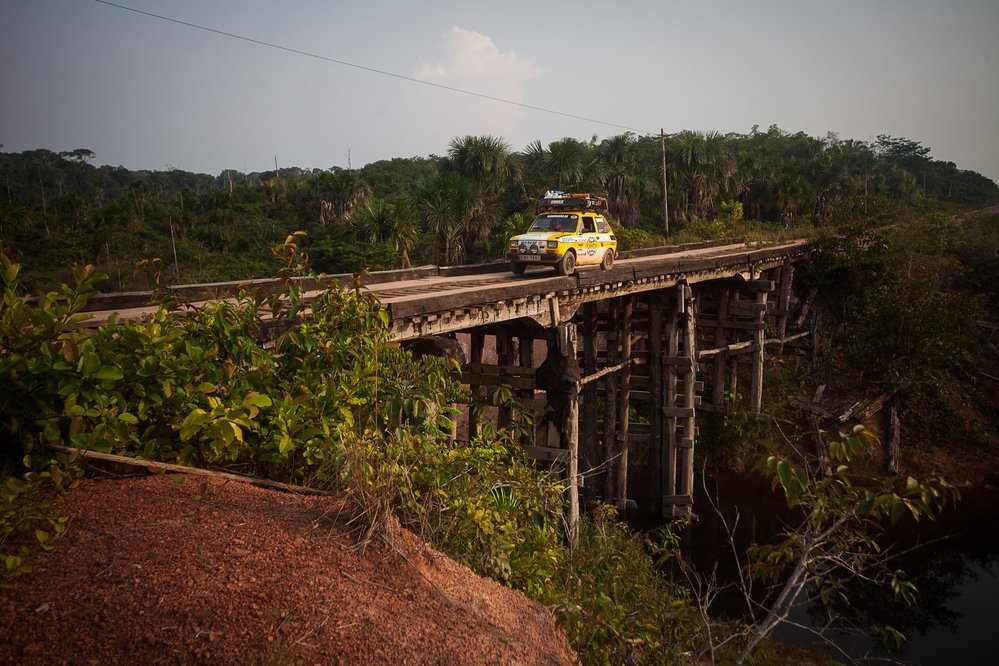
pixel 616 606
pixel 332 402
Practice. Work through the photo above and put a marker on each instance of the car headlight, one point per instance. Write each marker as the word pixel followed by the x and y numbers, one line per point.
pixel 552 245
pixel 513 243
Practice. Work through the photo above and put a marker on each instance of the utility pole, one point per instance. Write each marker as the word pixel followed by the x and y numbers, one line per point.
pixel 662 144
pixel 173 242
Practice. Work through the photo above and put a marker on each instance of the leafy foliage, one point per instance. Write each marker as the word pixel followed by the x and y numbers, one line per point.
pixel 60 210
pixel 835 541
pixel 618 608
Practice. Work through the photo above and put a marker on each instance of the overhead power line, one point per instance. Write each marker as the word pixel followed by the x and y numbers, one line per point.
pixel 373 70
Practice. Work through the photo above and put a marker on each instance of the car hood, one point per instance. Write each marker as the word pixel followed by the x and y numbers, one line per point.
pixel 546 236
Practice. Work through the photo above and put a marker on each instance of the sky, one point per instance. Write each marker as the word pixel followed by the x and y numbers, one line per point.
pixel 148 93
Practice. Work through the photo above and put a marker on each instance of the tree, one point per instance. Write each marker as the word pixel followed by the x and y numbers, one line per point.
pixel 485 160
pixel 834 541
pixel 339 191
pixel 704 167
pixel 567 164
pixel 906 153
pixel 447 207
pixel 393 223
pixel 80 155
pixel 618 154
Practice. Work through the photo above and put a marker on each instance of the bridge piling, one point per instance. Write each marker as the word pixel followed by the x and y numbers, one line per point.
pixel 656 401
pixel 689 396
pixel 759 335
pixel 610 399
pixel 590 446
pixel 624 403
pixel 672 352
pixel 476 345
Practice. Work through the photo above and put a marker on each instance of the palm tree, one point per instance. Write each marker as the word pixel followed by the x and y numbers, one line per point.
pixel 618 155
pixel 390 222
pixel 704 166
pixel 339 190
pixel 485 160
pixel 448 207
pixel 567 164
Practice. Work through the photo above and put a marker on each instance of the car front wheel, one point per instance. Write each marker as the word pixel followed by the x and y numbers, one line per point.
pixel 608 260
pixel 518 269
pixel 568 264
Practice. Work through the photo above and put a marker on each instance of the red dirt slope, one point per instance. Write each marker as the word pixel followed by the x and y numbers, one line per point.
pixel 175 569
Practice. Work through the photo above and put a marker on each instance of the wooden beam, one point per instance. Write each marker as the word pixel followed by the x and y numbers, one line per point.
pixel 589 446
pixel 610 397
pixel 655 306
pixel 894 439
pixel 505 356
pixel 686 444
pixel 756 380
pixel 570 431
pixel 475 356
pixel 161 467
pixel 750 345
pixel 624 403
pixel 721 342
pixel 606 371
pixel 526 351
pixel 784 296
pixel 669 389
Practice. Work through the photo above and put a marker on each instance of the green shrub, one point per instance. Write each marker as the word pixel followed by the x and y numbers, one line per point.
pixel 617 608
pixel 332 403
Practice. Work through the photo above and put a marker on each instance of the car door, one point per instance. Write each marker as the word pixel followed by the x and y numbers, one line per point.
pixel 589 243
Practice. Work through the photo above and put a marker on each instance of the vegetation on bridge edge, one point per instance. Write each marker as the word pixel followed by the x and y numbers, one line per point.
pixel 902 281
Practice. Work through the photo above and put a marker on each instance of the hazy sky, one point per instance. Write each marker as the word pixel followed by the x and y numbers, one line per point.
pixel 150 94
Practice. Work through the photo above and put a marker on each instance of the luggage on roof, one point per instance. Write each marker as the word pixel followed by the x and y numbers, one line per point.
pixel 555 200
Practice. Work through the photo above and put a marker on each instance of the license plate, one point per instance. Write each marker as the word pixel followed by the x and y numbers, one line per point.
pixel 530 257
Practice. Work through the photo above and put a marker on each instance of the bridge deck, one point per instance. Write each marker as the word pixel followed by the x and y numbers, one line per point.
pixel 429 301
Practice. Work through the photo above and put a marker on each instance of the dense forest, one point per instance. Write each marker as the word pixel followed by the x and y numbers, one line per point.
pixel 908 302
pixel 56 209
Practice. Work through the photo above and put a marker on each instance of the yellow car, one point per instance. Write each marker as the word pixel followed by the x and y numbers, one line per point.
pixel 570 230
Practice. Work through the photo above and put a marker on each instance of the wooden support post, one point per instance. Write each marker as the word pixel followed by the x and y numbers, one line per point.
pixel 756 385
pixel 721 340
pixel 526 352
pixel 610 399
pixel 588 452
pixel 570 433
pixel 559 377
pixel 475 356
pixel 505 356
pixel 784 298
pixel 656 401
pixel 894 438
pixel 623 404
pixel 806 307
pixel 672 350
pixel 689 379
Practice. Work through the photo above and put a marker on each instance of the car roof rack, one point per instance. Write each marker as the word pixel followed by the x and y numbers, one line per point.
pixel 555 200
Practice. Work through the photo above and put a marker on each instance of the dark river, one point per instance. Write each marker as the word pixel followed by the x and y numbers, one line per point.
pixel 954 562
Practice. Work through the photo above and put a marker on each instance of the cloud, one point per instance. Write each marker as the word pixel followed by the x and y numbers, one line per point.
pixel 471 61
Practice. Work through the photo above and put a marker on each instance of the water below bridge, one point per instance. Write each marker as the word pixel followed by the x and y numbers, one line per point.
pixel 954 562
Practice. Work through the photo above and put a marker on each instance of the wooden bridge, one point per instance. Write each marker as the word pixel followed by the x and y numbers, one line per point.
pixel 661 331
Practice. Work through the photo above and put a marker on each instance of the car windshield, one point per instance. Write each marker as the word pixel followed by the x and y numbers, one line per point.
pixel 555 222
